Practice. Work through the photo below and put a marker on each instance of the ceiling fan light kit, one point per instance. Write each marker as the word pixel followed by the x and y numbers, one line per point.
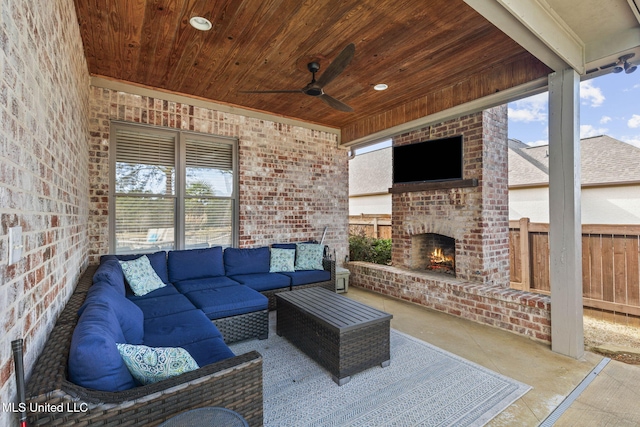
pixel 315 88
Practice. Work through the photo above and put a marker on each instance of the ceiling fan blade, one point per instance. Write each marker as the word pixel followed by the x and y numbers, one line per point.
pixel 337 66
pixel 271 91
pixel 334 103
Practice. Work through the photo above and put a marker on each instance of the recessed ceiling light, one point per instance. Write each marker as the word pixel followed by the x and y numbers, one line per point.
pixel 200 23
pixel 381 86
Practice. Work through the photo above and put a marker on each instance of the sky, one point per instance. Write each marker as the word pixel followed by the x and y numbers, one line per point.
pixel 609 105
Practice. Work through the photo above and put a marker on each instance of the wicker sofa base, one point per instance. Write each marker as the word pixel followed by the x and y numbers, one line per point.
pixel 234 383
pixel 244 326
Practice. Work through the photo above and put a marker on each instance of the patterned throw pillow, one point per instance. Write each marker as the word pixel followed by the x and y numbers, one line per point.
pixel 309 256
pixel 141 276
pixel 282 260
pixel 152 364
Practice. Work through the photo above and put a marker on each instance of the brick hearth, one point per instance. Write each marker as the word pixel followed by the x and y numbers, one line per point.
pixel 477 217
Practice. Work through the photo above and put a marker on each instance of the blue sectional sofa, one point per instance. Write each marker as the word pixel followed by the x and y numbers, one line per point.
pixel 201 300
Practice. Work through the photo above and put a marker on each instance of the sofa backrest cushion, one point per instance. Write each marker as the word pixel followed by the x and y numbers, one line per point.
pixel 195 264
pixel 109 271
pixel 94 360
pixel 158 261
pixel 129 315
pixel 246 261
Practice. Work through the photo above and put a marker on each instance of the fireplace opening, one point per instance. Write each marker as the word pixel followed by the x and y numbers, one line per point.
pixel 433 252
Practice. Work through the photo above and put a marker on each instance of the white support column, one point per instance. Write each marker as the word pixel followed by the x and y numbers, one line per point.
pixel 565 229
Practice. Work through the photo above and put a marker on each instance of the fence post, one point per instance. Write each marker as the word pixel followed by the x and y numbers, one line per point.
pixel 375 227
pixel 525 255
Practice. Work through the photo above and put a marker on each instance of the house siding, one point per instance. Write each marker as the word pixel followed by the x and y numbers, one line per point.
pixel 44 93
pixel 292 180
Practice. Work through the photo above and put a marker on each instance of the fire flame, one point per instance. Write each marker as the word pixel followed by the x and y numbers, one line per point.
pixel 438 257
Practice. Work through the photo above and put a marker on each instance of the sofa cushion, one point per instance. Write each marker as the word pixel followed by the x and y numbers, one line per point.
pixel 141 276
pixel 195 264
pixel 306 277
pixel 163 305
pixel 149 365
pixel 282 260
pixel 309 256
pixel 185 286
pixel 209 350
pixel 158 261
pixel 110 271
pixel 263 281
pixel 246 261
pixel 178 329
pixel 129 316
pixel 94 360
pixel 217 303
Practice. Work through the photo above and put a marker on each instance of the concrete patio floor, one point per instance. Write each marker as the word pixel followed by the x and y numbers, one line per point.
pixel 610 400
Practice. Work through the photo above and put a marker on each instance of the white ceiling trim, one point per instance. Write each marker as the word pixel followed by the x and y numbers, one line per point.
pixel 535 26
pixel 635 7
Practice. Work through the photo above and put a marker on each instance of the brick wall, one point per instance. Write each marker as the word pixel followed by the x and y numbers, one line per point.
pixel 293 180
pixel 43 173
pixel 520 312
pixel 477 217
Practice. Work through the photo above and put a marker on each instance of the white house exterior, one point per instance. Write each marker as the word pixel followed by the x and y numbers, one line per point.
pixel 610 179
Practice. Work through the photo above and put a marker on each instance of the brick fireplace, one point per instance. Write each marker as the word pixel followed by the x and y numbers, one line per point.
pixel 471 216
pixel 475 215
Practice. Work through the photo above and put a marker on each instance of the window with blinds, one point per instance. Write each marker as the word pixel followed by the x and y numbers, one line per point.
pixel 173 190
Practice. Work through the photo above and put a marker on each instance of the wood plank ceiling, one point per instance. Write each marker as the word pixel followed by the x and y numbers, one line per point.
pixel 433 55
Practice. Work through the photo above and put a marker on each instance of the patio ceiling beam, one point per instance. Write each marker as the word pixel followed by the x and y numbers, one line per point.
pixel 535 26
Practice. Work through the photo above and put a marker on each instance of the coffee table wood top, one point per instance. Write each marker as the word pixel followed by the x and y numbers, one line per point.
pixel 334 311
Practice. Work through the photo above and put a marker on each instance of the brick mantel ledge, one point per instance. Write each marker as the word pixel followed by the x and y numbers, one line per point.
pixel 521 312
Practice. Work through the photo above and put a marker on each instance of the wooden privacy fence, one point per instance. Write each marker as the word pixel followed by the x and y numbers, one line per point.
pixel 371 225
pixel 610 263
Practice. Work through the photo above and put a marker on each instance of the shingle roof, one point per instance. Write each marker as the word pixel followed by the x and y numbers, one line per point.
pixel 603 160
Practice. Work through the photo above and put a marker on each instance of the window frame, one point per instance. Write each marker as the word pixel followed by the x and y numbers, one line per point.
pixel 180 137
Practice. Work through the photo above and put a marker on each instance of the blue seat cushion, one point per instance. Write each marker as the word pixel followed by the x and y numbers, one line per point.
pixel 217 303
pixel 246 261
pixel 163 305
pixel 94 360
pixel 195 264
pixel 178 329
pixel 208 351
pixel 305 277
pixel 163 291
pixel 110 271
pixel 158 261
pixel 129 316
pixel 186 286
pixel 263 281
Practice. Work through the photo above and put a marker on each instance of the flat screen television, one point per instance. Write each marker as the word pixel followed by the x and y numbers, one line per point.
pixel 432 160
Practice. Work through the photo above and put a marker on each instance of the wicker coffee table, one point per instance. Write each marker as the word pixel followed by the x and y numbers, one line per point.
pixel 341 335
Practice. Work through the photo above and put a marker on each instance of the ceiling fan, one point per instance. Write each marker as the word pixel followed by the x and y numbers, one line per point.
pixel 315 88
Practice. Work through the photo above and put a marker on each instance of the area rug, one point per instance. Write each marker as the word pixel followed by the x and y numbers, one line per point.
pixel 423 386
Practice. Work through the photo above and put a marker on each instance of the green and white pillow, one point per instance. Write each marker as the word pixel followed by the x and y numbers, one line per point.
pixel 282 260
pixel 141 276
pixel 309 256
pixel 152 364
